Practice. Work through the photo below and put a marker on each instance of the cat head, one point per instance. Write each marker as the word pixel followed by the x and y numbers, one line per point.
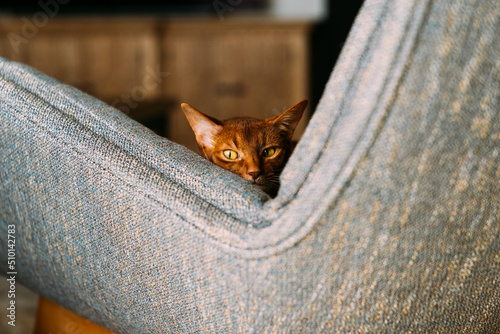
pixel 257 150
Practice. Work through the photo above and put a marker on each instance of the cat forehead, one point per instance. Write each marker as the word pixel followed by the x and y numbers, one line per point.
pixel 248 132
pixel 242 121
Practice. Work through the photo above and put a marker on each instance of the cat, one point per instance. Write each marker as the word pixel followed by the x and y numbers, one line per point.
pixel 255 149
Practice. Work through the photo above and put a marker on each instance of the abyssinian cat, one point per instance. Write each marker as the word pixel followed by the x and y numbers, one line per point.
pixel 257 150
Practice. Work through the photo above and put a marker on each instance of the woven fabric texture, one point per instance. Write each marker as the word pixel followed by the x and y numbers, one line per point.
pixel 387 221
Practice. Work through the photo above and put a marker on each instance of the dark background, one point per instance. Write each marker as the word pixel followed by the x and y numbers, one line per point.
pixel 327 37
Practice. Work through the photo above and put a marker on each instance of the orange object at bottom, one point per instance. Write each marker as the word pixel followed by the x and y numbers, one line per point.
pixel 54 319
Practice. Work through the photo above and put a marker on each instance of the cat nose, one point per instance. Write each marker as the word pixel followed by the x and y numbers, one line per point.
pixel 254 174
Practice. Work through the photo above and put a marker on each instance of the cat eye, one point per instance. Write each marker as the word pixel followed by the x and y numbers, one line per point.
pixel 269 152
pixel 230 154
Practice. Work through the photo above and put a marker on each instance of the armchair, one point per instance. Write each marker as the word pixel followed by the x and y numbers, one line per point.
pixel 387 220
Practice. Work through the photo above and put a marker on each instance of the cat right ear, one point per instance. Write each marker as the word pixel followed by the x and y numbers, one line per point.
pixel 205 129
pixel 288 120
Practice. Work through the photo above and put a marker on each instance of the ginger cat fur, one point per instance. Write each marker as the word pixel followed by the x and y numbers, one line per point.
pixel 255 149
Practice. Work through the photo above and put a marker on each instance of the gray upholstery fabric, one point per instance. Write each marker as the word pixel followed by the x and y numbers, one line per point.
pixel 387 221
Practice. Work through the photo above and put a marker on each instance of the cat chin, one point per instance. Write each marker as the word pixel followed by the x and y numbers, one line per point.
pixel 257 183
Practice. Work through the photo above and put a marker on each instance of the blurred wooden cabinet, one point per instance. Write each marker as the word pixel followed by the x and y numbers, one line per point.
pixel 147 67
pixel 103 58
pixel 227 69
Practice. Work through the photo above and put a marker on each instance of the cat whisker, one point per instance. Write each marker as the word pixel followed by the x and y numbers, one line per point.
pixel 205 154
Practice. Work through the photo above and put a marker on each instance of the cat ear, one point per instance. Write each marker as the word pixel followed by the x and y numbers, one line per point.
pixel 288 120
pixel 204 127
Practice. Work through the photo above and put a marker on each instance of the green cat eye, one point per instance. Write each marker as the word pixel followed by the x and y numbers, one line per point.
pixel 269 152
pixel 230 154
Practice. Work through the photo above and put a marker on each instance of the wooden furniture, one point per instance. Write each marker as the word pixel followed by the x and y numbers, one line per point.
pixel 148 66
pixel 233 68
pixel 52 318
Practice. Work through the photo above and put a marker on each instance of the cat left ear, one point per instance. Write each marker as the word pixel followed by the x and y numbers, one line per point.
pixel 204 127
pixel 288 120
